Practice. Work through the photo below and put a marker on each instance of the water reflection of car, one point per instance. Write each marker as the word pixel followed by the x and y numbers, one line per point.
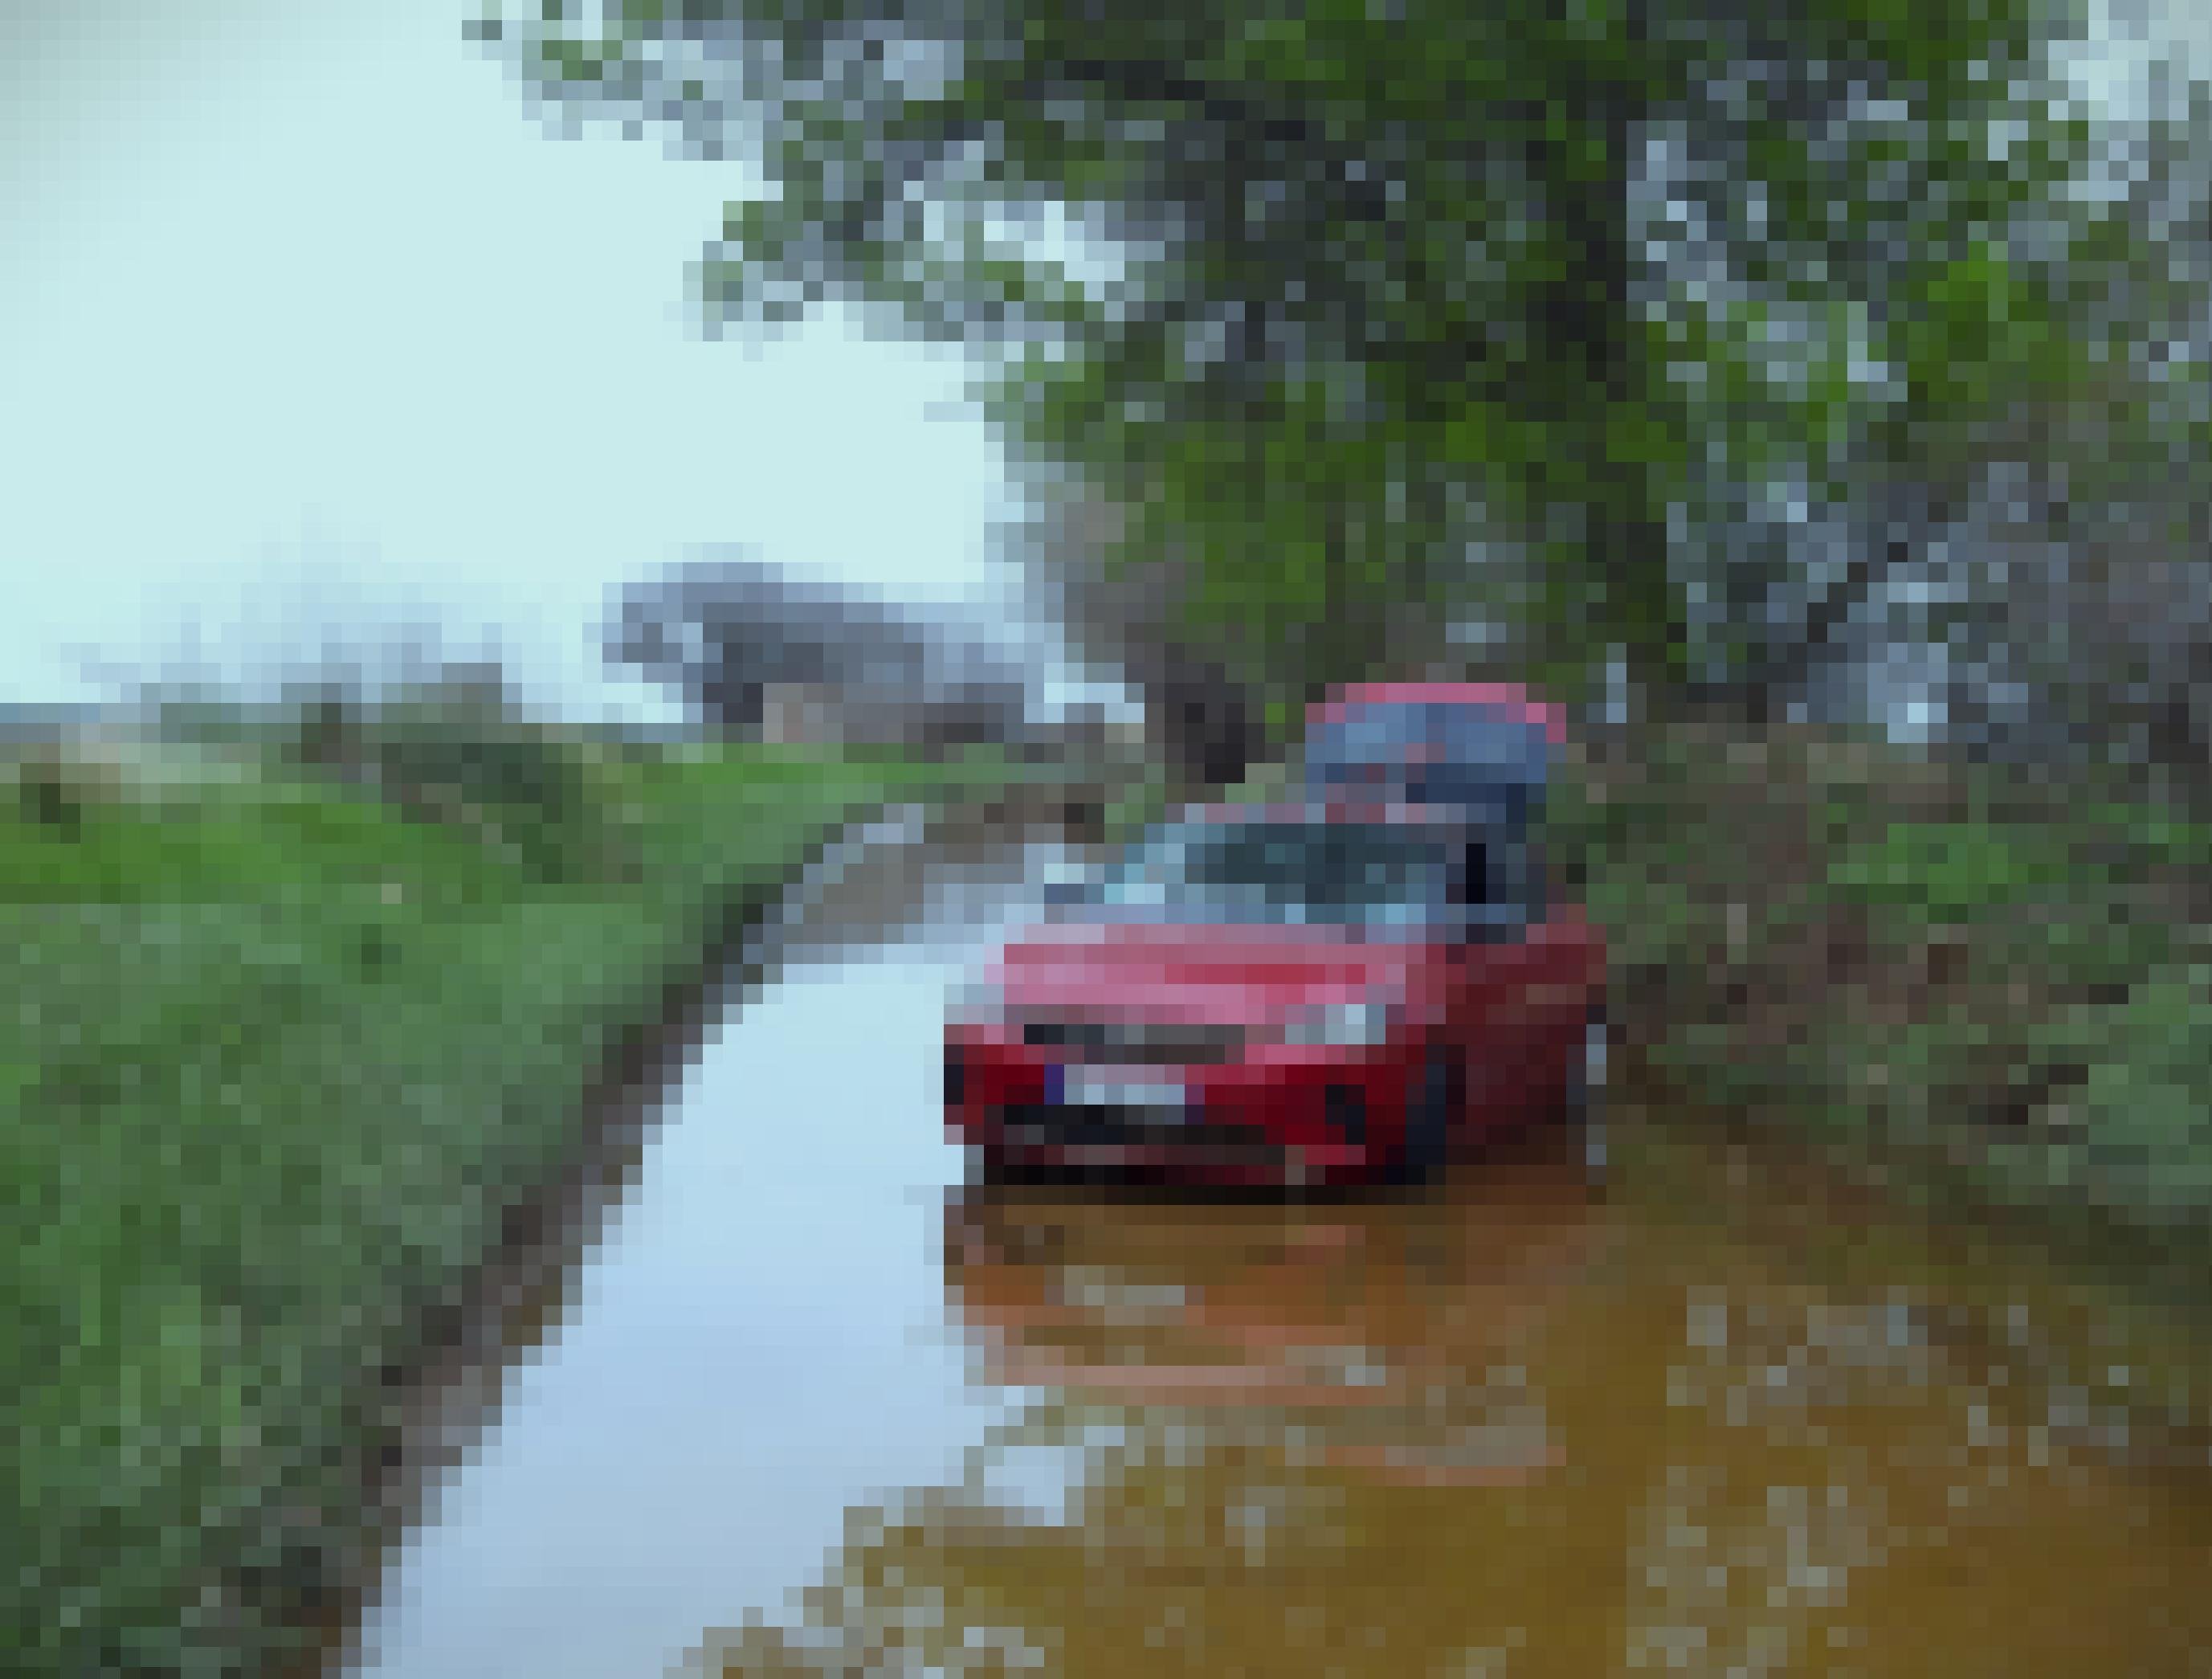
pixel 1317 992
pixel 1388 1336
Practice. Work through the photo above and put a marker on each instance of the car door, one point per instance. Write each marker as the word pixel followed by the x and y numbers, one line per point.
pixel 1519 988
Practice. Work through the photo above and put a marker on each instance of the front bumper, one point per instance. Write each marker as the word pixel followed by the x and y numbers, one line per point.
pixel 1278 1115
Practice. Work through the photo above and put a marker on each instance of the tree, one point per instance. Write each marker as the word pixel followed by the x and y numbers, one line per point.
pixel 2096 623
pixel 1345 307
pixel 726 634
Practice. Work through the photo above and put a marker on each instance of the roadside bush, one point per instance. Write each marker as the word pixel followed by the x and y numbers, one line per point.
pixel 521 789
pixel 2140 1118
pixel 57 790
pixel 456 750
pixel 1905 958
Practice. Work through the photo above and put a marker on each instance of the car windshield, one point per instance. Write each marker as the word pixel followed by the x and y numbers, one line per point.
pixel 1328 872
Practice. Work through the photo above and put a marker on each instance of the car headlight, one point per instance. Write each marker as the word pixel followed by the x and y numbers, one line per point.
pixel 1341 1026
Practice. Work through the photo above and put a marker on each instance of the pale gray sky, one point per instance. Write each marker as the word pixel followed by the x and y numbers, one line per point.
pixel 303 317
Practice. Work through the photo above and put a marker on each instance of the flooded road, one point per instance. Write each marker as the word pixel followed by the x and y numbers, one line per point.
pixel 756 1339
pixel 815 1404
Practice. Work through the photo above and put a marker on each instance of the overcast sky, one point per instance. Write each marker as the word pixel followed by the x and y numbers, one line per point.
pixel 304 319
pixel 303 316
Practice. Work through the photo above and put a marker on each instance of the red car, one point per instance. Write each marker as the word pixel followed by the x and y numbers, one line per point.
pixel 1294 994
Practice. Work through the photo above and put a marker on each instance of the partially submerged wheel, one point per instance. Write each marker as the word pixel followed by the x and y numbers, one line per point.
pixel 1586 1096
pixel 1429 1119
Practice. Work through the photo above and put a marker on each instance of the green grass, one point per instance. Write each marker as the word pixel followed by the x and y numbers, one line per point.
pixel 1991 987
pixel 272 1058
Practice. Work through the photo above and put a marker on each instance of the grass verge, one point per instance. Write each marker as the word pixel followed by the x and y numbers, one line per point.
pixel 276 1053
pixel 1987 989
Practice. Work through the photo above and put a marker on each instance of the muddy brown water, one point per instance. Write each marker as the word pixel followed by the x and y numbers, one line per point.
pixel 818 1401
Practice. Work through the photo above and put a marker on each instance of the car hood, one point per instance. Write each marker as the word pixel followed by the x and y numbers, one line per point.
pixel 1211 975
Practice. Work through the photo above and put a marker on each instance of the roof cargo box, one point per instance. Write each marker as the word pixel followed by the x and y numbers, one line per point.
pixel 1484 746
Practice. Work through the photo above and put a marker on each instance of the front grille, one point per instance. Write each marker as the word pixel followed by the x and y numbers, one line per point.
pixel 1027 1123
pixel 1028 1126
pixel 1346 1106
pixel 1138 1043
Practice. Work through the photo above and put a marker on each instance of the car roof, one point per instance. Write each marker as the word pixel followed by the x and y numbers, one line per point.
pixel 1347 811
pixel 1508 698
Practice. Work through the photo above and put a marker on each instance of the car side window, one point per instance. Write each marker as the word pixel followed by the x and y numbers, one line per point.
pixel 1526 885
pixel 1499 874
pixel 1471 883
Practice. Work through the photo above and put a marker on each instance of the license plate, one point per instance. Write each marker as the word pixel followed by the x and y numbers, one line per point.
pixel 1097 1087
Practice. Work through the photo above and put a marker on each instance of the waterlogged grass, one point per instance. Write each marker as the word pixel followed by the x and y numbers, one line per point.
pixel 1997 985
pixel 273 1058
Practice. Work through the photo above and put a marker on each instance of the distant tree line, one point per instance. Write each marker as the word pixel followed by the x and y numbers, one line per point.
pixel 730 634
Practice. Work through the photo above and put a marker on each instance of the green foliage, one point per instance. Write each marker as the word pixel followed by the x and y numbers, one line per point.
pixel 2140 1114
pixel 1948 871
pixel 468 762
pixel 1985 981
pixel 1384 289
pixel 55 791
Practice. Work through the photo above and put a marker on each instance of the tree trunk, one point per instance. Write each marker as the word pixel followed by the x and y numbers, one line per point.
pixel 1622 594
pixel 1203 718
